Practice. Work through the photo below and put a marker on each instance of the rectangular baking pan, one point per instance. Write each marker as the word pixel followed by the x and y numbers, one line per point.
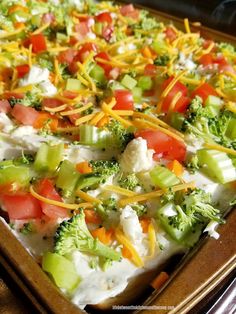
pixel 196 275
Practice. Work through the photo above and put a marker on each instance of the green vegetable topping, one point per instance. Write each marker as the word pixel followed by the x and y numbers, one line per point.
pixel 73 234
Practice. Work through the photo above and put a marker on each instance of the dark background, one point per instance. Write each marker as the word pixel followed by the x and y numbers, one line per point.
pixel 217 14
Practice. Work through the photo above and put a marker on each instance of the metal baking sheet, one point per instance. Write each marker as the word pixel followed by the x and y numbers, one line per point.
pixel 208 264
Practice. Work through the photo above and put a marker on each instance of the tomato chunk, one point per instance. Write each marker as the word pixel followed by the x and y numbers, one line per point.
pixel 21 206
pixel 5 106
pixel 204 91
pixel 47 190
pixel 163 144
pixel 124 100
pixel 38 42
pixel 106 67
pixel 104 17
pixel 84 51
pixel 22 70
pixel 182 103
pixel 52 102
pixel 129 11
pixel 67 56
pixel 170 34
pixel 24 115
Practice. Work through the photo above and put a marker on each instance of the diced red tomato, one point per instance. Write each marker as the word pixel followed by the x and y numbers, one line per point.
pixel 48 18
pixel 204 91
pixel 69 94
pixel 206 59
pixel 106 67
pixel 170 34
pixel 104 17
pixel 84 51
pixel 10 95
pixel 163 144
pixel 129 11
pixel 150 70
pixel 124 100
pixel 24 115
pixel 47 190
pixel 22 70
pixel 52 102
pixel 82 29
pixel 67 56
pixel 38 42
pixel 73 117
pixel 182 103
pixel 107 32
pixel 223 64
pixel 5 106
pixel 21 206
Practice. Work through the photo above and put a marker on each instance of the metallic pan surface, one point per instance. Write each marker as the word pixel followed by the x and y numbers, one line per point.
pixel 211 264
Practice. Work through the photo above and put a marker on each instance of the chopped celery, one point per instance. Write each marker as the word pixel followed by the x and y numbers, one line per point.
pixel 163 177
pixel 73 84
pixel 48 157
pixel 231 129
pixel 91 135
pixel 98 27
pixel 145 82
pixel 217 164
pixel 176 120
pixel 36 20
pixel 128 82
pixel 10 173
pixel 137 94
pixel 116 85
pixel 98 74
pixel 61 270
pixel 61 37
pixel 67 177
pixel 159 47
pixel 214 103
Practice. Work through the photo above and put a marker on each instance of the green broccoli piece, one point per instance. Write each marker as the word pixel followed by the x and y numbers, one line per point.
pixel 162 60
pixel 201 122
pixel 73 234
pixel 194 209
pixel 147 22
pixel 140 209
pixel 226 47
pixel 193 164
pixel 129 182
pixel 27 228
pixel 104 168
pixel 121 136
pixel 106 207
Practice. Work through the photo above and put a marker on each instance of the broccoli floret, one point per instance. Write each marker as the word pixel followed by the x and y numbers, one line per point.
pixel 104 168
pixel 227 47
pixel 193 164
pixel 140 209
pixel 147 22
pixel 26 228
pixel 73 234
pixel 106 207
pixel 201 122
pixel 129 182
pixel 162 60
pixel 194 209
pixel 121 136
